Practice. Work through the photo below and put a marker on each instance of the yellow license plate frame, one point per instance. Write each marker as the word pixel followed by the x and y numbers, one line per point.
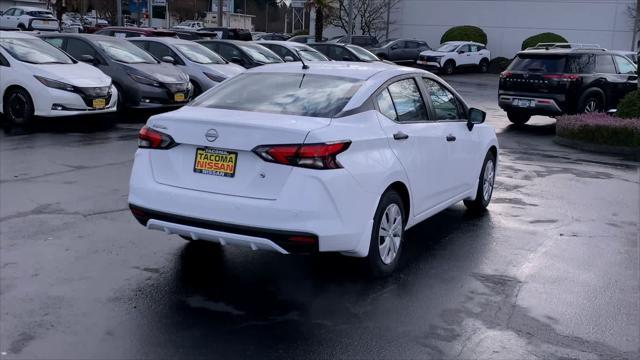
pixel 218 162
pixel 179 97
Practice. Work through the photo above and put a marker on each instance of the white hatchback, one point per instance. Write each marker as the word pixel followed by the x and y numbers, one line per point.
pixel 38 79
pixel 336 157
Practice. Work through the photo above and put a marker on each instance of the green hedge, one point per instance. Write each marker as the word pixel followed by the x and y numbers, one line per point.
pixel 498 65
pixel 629 106
pixel 542 38
pixel 464 33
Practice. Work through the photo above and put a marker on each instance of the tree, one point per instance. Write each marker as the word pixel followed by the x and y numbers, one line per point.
pixel 369 15
pixel 322 8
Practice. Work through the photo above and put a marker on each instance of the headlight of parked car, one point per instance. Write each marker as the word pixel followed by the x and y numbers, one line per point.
pixel 55 84
pixel 144 80
pixel 216 78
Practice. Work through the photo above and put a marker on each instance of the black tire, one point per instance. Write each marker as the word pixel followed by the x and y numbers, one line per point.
pixel 518 118
pixel 590 102
pixel 18 108
pixel 22 27
pixel 448 68
pixel 484 198
pixel 382 57
pixel 484 66
pixel 389 204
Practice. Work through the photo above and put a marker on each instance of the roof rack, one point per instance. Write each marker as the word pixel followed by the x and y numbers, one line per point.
pixel 551 45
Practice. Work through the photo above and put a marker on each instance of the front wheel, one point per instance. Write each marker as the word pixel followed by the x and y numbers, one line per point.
pixel 18 108
pixel 449 67
pixel 484 66
pixel 387 234
pixel 486 183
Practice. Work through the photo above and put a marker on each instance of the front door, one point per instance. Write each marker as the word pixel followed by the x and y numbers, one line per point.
pixel 418 142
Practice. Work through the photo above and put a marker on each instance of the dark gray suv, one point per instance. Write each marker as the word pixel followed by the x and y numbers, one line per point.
pixel 400 50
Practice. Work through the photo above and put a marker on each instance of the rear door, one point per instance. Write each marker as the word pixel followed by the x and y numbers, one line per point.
pixel 464 55
pixel 627 78
pixel 418 142
pixel 8 20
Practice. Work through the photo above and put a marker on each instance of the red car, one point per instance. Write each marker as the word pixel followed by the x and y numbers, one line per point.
pixel 126 31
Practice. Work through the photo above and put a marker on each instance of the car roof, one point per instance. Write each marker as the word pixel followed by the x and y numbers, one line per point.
pixel 283 43
pixel 164 40
pixel 29 8
pixel 354 70
pixel 90 37
pixel 462 42
pixel 566 51
pixel 16 35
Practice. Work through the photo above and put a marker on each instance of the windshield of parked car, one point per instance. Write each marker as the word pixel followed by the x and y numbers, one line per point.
pixel 44 14
pixel 538 63
pixel 260 53
pixel 199 54
pixel 363 54
pixel 448 47
pixel 125 52
pixel 293 94
pixel 311 55
pixel 34 51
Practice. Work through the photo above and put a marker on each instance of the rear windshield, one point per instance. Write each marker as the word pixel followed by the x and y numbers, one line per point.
pixel 293 94
pixel 45 14
pixel 538 63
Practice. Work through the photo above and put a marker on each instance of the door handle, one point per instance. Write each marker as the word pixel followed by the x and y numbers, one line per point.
pixel 400 136
pixel 451 138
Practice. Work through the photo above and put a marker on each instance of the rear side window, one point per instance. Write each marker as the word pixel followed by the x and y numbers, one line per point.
pixel 605 65
pixel 408 101
pixel 625 66
pixel 538 63
pixel 581 64
pixel 293 94
pixel 385 105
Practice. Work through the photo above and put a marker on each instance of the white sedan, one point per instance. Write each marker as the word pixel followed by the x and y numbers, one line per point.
pixel 337 157
pixel 38 79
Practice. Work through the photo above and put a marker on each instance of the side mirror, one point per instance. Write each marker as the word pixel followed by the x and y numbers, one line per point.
pixel 89 59
pixel 394 47
pixel 168 59
pixel 632 78
pixel 237 60
pixel 288 59
pixel 476 116
pixel 461 51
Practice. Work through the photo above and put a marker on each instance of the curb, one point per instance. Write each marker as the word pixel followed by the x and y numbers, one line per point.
pixel 599 148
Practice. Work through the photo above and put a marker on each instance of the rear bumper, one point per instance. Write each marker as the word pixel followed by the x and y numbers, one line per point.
pixel 549 106
pixel 328 205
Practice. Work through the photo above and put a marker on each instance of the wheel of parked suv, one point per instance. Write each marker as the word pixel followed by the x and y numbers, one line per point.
pixel 448 67
pixel 18 107
pixel 590 102
pixel 485 185
pixel 387 234
pixel 518 118
pixel 484 65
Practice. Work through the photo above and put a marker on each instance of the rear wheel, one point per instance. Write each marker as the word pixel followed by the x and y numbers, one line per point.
pixel 485 185
pixel 387 234
pixel 518 118
pixel 591 103
pixel 18 107
pixel 484 65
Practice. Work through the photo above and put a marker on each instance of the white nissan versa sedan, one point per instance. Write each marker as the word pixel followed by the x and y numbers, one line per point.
pixel 37 79
pixel 340 157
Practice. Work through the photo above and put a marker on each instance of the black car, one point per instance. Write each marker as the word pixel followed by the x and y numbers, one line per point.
pixel 400 50
pixel 366 41
pixel 244 53
pixel 142 81
pixel 554 81
pixel 229 33
pixel 195 35
pixel 345 52
pixel 273 37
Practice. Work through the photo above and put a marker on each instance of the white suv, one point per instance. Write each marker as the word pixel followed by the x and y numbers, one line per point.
pixel 29 18
pixel 331 157
pixel 455 54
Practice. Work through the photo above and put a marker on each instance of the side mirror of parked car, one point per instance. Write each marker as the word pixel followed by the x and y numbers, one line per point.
pixel 461 51
pixel 237 60
pixel 89 59
pixel 632 78
pixel 168 59
pixel 476 116
pixel 288 59
pixel 394 47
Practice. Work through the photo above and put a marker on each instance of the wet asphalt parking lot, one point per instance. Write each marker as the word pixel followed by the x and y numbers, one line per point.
pixel 551 271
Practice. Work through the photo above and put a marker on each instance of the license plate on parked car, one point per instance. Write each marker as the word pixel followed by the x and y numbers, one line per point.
pixel 522 102
pixel 178 97
pixel 210 161
pixel 99 103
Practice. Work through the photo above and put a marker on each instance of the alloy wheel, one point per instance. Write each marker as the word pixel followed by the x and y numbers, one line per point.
pixel 17 107
pixel 488 181
pixel 390 233
pixel 592 106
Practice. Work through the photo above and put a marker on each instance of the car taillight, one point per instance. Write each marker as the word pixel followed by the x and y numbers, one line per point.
pixel 149 138
pixel 314 156
pixel 505 74
pixel 564 77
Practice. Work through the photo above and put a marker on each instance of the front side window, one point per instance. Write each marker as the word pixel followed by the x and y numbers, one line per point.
pixel 625 66
pixel 445 105
pixel 605 65
pixel 408 101
pixel 280 51
pixel 199 54
pixel 473 48
pixel 229 51
pixel 125 52
pixel 339 53
pixel 311 55
pixel 77 48
pixel 34 51
pixel 9 12
pixel 293 94
pixel 57 42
